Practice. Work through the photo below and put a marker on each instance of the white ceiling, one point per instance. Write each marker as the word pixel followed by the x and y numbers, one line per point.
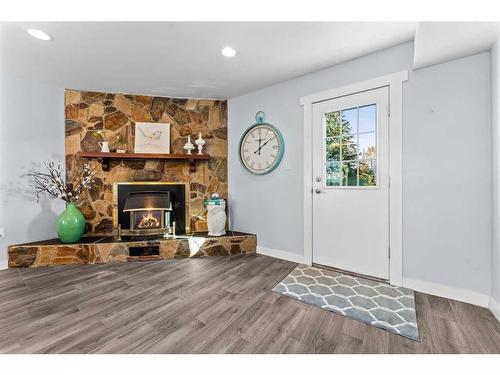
pixel 184 59
pixel 437 42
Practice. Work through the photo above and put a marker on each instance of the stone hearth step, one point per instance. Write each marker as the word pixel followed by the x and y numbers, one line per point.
pixel 107 249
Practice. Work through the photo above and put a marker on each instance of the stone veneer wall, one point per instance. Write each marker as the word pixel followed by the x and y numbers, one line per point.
pixel 86 112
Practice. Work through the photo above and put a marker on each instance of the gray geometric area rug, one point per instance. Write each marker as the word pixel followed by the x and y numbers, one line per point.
pixel 378 304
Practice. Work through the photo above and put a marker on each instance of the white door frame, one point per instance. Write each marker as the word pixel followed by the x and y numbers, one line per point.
pixel 395 84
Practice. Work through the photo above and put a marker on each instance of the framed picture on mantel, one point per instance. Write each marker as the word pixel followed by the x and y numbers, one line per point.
pixel 151 137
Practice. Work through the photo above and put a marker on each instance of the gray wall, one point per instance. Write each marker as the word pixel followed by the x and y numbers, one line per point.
pixel 446 157
pixel 446 174
pixel 32 131
pixel 495 110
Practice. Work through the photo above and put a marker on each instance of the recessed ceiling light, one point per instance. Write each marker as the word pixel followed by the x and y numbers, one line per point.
pixel 39 34
pixel 228 52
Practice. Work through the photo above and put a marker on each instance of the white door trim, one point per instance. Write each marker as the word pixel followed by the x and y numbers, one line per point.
pixel 395 84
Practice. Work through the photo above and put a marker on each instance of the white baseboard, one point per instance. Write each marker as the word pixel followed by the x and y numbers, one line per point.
pixel 4 264
pixel 280 254
pixel 495 308
pixel 441 290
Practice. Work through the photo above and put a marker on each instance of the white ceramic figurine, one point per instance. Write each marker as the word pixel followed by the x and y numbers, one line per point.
pixel 200 142
pixel 189 146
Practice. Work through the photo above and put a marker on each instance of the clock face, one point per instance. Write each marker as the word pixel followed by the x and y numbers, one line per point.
pixel 261 148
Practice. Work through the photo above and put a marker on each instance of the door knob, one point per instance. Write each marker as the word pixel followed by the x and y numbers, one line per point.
pixel 318 191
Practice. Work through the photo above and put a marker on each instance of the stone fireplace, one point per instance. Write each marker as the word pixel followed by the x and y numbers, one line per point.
pixel 87 113
pixel 150 208
pixel 142 195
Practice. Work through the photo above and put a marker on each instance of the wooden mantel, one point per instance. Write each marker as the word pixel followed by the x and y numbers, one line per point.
pixel 105 157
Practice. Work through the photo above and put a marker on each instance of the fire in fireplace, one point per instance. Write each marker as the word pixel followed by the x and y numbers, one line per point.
pixel 149 219
pixel 143 209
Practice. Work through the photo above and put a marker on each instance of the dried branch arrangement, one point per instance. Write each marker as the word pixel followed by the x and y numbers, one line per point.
pixel 52 182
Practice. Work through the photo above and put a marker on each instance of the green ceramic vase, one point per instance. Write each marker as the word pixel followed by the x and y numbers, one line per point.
pixel 70 224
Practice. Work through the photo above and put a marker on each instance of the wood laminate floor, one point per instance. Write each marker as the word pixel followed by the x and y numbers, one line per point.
pixel 207 305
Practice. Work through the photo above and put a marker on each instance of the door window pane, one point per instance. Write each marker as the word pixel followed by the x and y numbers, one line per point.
pixel 350 173
pixel 350 121
pixel 367 159
pixel 368 118
pixel 334 173
pixel 351 151
pixel 367 170
pixel 349 147
pixel 333 148
pixel 367 145
pixel 333 124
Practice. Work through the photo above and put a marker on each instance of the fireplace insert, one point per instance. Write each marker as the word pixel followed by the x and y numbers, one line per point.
pixel 149 210
pixel 143 209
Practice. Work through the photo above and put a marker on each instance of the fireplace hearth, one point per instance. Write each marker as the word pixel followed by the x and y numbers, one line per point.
pixel 109 249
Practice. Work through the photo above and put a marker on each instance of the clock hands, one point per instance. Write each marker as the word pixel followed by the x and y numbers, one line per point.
pixel 260 141
pixel 265 143
pixel 260 146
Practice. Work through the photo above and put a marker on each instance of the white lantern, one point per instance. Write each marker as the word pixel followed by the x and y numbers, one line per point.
pixel 216 216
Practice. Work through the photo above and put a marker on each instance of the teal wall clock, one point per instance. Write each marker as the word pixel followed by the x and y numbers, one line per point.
pixel 261 147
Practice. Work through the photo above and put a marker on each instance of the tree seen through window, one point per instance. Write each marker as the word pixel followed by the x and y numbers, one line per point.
pixel 351 155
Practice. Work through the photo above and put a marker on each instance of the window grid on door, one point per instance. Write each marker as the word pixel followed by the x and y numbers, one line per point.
pixel 350 147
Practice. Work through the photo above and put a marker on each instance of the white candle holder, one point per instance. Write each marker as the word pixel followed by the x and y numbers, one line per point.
pixel 189 146
pixel 200 142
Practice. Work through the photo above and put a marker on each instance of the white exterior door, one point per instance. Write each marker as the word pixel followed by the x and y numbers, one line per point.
pixel 351 183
